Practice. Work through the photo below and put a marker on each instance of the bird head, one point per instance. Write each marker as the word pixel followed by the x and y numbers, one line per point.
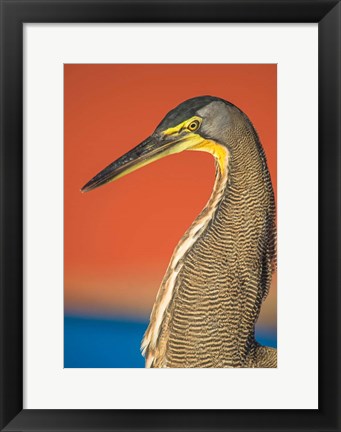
pixel 197 124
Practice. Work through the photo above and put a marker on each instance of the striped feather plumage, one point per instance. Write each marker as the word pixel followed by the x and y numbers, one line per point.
pixel 221 280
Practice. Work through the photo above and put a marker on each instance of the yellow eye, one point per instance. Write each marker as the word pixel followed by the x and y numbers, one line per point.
pixel 194 125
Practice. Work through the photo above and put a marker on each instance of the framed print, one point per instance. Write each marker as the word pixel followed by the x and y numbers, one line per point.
pixel 170 201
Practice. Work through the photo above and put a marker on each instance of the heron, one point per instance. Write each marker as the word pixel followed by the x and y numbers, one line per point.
pixel 209 301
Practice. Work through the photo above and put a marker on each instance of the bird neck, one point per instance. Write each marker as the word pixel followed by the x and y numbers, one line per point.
pixel 210 297
pixel 167 291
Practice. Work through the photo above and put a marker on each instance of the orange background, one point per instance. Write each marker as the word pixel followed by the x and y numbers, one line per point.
pixel 119 238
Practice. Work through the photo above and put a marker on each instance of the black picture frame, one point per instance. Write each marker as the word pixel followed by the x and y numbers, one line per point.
pixel 327 13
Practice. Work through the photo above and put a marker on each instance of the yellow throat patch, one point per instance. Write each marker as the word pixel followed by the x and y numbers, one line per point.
pixel 193 141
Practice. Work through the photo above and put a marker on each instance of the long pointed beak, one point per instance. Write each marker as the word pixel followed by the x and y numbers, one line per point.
pixel 148 151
